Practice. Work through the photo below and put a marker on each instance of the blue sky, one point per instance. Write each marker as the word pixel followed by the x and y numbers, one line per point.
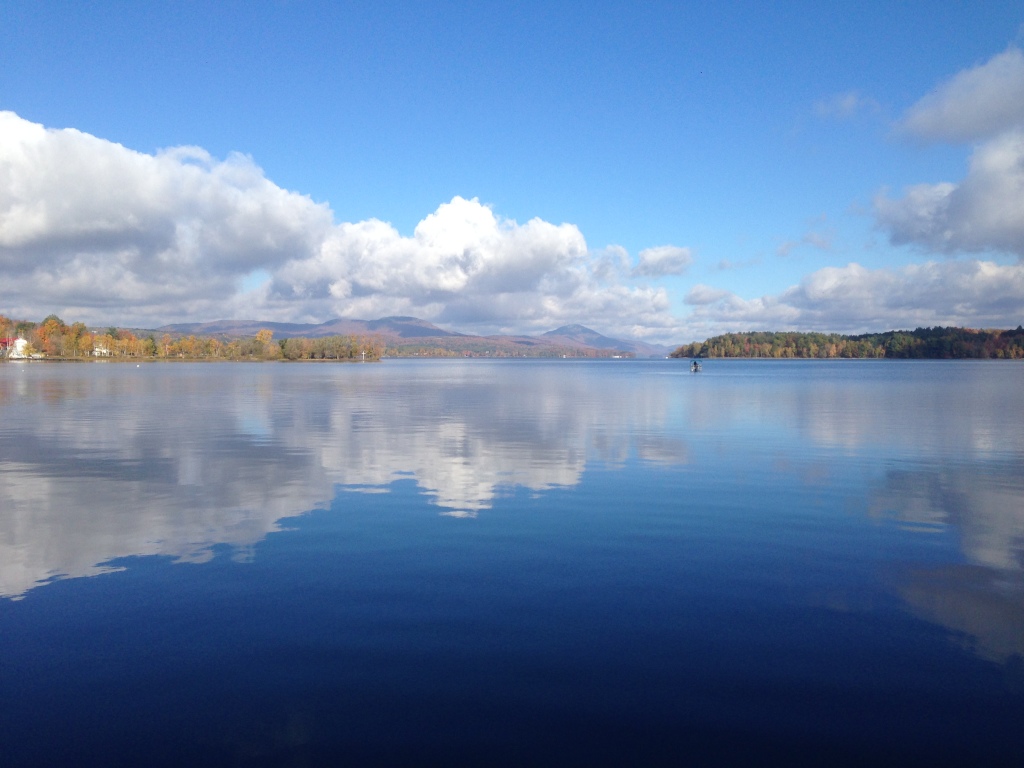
pixel 667 171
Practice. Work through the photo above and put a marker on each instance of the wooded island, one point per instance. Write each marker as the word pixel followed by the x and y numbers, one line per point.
pixel 922 343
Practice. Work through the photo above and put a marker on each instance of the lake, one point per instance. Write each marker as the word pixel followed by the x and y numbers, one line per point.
pixel 512 562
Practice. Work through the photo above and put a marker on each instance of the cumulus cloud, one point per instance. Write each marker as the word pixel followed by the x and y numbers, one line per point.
pixel 985 210
pixel 466 265
pixel 88 223
pixel 462 248
pixel 975 104
pixel 663 260
pixel 701 295
pixel 104 233
pixel 99 232
pixel 855 299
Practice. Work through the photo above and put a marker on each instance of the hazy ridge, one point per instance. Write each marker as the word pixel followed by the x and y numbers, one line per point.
pixel 414 331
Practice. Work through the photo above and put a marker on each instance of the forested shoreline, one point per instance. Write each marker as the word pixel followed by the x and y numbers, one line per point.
pixel 54 339
pixel 922 343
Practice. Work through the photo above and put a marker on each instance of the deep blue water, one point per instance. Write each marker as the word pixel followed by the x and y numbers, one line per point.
pixel 490 562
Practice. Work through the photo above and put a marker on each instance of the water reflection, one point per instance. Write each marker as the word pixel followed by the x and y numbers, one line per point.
pixel 981 599
pixel 986 504
pixel 102 461
pixel 959 409
pixel 99 462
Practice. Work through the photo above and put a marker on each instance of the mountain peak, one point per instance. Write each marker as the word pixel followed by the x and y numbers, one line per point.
pixel 583 335
pixel 575 328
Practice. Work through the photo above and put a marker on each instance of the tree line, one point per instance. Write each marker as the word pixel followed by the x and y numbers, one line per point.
pixel 921 343
pixel 54 338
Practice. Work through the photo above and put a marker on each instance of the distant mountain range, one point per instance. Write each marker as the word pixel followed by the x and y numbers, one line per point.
pixel 398 327
pixel 587 337
pixel 412 330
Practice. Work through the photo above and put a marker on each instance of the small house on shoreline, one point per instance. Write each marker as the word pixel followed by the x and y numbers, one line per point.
pixel 15 349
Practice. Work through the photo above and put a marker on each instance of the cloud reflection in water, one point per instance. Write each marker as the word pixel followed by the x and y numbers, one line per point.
pixel 101 462
pixel 981 598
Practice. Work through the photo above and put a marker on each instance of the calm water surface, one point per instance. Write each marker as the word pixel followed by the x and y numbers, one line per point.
pixel 486 562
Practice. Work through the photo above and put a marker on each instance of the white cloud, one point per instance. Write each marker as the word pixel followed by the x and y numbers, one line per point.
pixel 465 265
pixel 98 232
pixel 103 233
pixel 461 247
pixel 87 223
pixel 854 299
pixel 663 260
pixel 975 104
pixel 701 295
pixel 983 212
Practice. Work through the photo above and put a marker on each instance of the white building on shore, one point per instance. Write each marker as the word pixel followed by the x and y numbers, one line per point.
pixel 19 350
